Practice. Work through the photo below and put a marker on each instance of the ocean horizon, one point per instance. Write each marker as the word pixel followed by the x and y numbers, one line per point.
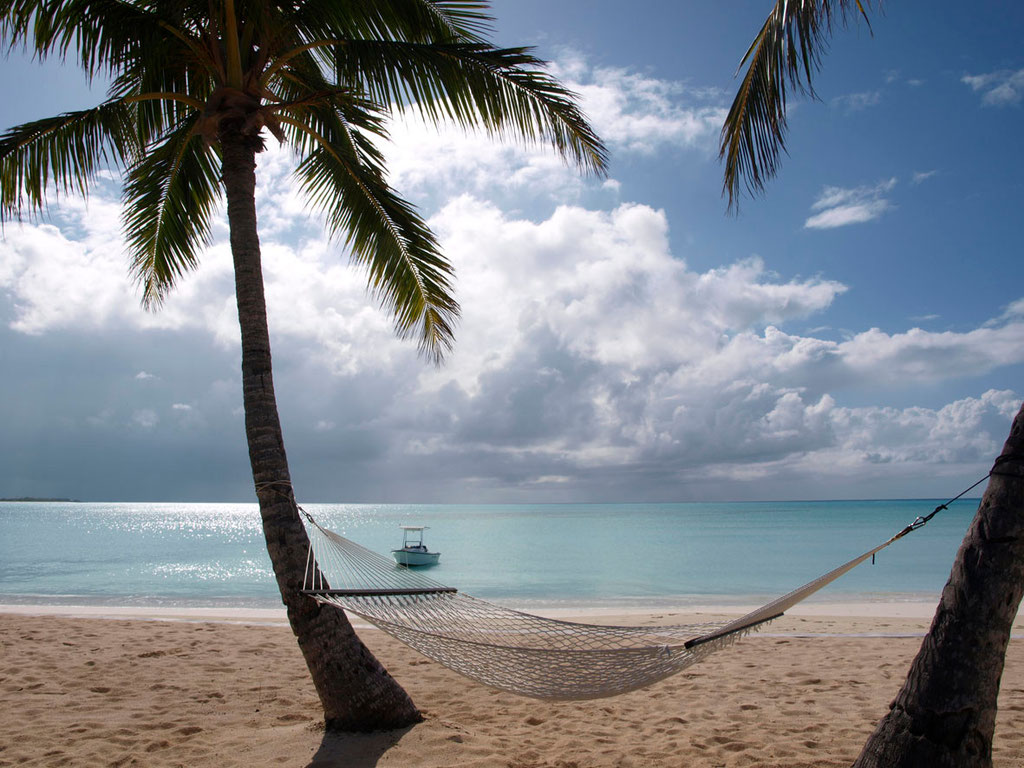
pixel 540 556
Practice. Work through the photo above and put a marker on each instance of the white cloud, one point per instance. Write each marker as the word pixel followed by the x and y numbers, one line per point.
pixel 920 176
pixel 145 418
pixel 143 376
pixel 191 416
pixel 605 287
pixel 843 215
pixel 841 206
pixel 75 276
pixel 638 113
pixel 855 102
pixel 1013 311
pixel 894 75
pixel 588 346
pixel 999 88
pixel 431 160
pixel 72 274
pixel 951 434
pixel 923 356
pixel 836 196
pixel 606 352
pixel 632 112
pixel 64 282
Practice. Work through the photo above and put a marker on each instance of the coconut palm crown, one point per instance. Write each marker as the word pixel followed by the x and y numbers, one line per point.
pixel 194 88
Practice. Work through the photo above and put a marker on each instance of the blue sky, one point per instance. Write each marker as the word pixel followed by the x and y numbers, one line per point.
pixel 856 332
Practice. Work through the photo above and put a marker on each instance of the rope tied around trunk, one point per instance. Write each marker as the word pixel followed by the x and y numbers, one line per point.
pixel 1004 459
pixel 276 486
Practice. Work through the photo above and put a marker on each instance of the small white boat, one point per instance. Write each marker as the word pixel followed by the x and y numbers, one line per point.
pixel 414 551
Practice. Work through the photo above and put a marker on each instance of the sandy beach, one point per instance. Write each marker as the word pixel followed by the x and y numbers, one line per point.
pixel 182 689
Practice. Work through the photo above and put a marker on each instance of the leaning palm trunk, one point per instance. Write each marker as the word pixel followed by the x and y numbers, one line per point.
pixel 322 76
pixel 190 76
pixel 944 716
pixel 357 693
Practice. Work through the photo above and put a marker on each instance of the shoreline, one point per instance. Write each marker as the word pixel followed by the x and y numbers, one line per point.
pixel 861 618
pixel 880 608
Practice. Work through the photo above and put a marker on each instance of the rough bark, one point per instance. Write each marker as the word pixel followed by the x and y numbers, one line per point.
pixel 357 693
pixel 944 716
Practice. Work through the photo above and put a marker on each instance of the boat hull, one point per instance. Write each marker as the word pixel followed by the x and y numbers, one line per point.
pixel 415 558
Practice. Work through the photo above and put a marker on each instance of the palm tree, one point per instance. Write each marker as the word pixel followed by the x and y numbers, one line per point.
pixel 193 87
pixel 944 715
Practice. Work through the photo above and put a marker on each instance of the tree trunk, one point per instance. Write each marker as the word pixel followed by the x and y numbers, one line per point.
pixel 357 693
pixel 944 716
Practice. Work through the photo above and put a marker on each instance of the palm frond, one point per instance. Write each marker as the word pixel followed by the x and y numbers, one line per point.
pixel 135 44
pixel 466 19
pixel 163 96
pixel 786 51
pixel 327 24
pixel 63 152
pixel 170 197
pixel 411 20
pixel 502 90
pixel 406 270
pixel 99 35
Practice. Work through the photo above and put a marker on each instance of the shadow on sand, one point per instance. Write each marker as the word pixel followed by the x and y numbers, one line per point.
pixel 355 750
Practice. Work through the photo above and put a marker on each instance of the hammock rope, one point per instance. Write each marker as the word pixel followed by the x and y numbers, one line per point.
pixel 520 652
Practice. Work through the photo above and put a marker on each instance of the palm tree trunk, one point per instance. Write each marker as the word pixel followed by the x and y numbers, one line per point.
pixel 357 693
pixel 944 716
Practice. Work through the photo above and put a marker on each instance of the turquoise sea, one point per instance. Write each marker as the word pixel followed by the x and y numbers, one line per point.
pixel 545 555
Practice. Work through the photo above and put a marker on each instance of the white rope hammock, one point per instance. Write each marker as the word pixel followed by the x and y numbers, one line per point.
pixel 519 652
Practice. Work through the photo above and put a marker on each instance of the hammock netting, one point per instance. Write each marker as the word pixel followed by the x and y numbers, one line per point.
pixel 514 651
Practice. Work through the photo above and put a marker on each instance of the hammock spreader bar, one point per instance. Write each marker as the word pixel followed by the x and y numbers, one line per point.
pixel 377 592
pixel 725 633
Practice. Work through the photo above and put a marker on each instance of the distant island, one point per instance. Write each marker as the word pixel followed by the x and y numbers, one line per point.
pixel 40 498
